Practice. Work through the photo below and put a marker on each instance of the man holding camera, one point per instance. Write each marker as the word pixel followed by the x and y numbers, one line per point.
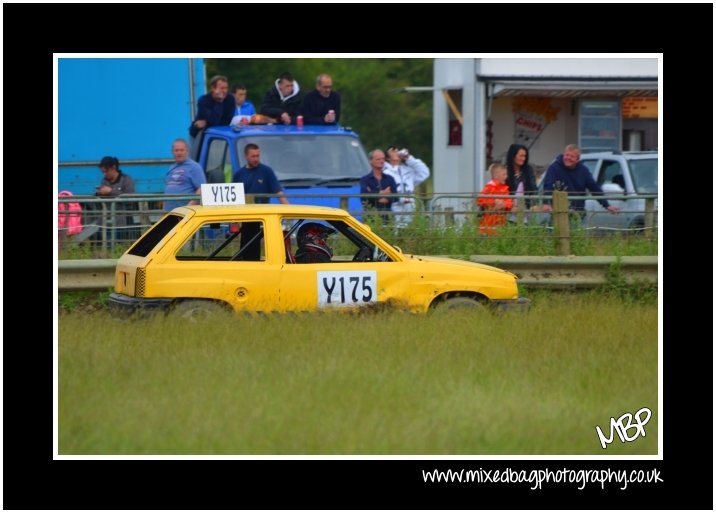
pixel 408 172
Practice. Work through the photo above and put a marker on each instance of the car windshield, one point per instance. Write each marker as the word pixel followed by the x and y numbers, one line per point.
pixel 310 157
pixel 644 175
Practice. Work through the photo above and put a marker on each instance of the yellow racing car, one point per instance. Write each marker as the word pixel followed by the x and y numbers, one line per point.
pixel 198 260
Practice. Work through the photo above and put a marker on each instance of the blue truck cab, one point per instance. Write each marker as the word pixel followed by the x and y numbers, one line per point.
pixel 324 163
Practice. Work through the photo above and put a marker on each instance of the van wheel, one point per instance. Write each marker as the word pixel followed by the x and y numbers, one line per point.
pixel 198 309
pixel 637 226
pixel 459 303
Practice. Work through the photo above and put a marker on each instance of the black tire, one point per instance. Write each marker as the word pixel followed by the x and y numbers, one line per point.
pixel 459 303
pixel 198 309
pixel 638 226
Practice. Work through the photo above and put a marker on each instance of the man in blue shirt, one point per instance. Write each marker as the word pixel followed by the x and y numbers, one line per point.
pixel 244 108
pixel 322 106
pixel 216 108
pixel 567 174
pixel 184 176
pixel 377 182
pixel 257 177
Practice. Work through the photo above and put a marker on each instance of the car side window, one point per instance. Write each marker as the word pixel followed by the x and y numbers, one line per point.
pixel 240 240
pixel 154 235
pixel 610 170
pixel 327 241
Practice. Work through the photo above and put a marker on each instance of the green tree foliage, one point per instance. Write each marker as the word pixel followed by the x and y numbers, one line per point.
pixel 372 105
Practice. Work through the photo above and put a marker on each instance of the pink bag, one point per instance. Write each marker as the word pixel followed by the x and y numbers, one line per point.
pixel 70 215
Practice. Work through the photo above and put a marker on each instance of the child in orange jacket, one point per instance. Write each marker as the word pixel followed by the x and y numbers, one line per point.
pixel 494 209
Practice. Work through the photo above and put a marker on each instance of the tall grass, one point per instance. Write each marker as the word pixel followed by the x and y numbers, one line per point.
pixel 424 237
pixel 382 383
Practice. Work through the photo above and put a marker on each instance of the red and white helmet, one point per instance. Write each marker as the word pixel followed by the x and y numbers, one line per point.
pixel 311 238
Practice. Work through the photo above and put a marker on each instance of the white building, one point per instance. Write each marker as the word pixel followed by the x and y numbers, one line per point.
pixel 482 106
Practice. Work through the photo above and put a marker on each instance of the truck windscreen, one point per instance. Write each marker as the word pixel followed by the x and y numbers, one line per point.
pixel 309 157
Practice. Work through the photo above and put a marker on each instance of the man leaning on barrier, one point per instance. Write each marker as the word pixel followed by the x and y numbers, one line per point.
pixel 567 174
pixel 115 183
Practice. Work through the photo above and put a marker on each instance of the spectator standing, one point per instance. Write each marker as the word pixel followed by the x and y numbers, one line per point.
pixel 114 183
pixel 244 108
pixel 566 173
pixel 215 108
pixel 377 182
pixel 283 101
pixel 408 172
pixel 494 209
pixel 520 176
pixel 258 178
pixel 184 176
pixel 323 105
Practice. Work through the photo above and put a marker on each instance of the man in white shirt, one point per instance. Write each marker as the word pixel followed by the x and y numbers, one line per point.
pixel 408 172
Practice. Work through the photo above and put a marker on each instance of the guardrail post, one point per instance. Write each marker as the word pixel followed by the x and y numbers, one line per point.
pixel 560 213
pixel 62 239
pixel 649 218
pixel 343 202
pixel 105 221
pixel 113 220
pixel 449 216
pixel 144 213
pixel 519 210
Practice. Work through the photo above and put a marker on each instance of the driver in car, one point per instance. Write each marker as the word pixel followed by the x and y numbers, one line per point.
pixel 312 245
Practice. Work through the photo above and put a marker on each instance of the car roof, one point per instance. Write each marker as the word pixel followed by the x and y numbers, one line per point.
pixel 266 130
pixel 628 155
pixel 264 208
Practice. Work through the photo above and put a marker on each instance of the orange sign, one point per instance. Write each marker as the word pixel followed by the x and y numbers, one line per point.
pixel 640 107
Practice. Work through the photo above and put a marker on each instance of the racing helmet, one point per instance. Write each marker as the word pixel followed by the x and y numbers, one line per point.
pixel 311 238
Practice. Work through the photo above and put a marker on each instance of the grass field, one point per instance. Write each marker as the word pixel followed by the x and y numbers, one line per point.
pixel 454 383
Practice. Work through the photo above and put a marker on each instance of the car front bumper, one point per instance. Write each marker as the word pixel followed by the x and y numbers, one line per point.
pixel 520 304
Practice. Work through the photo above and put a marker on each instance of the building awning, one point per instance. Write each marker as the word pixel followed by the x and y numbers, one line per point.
pixel 572 87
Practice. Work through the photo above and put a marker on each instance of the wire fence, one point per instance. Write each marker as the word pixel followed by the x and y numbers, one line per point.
pixel 444 224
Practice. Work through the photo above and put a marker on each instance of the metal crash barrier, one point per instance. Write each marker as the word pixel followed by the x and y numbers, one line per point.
pixel 547 272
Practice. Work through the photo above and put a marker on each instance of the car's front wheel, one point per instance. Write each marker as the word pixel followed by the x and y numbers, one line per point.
pixel 198 309
pixel 459 303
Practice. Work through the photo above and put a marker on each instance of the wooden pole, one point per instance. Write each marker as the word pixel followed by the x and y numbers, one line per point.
pixel 560 213
pixel 453 107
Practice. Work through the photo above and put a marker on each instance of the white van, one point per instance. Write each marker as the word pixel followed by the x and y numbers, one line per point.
pixel 626 174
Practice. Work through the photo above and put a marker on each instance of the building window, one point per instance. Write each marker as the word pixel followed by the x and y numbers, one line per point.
pixel 453 97
pixel 600 125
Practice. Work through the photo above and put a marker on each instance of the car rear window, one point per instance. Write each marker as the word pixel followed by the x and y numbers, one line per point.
pixel 155 234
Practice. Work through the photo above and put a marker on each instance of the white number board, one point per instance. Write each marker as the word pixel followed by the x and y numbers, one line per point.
pixel 222 194
pixel 347 288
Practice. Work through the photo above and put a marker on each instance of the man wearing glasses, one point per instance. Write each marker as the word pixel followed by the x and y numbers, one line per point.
pixel 322 106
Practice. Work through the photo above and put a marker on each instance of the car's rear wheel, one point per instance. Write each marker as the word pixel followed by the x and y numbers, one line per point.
pixel 460 303
pixel 198 309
